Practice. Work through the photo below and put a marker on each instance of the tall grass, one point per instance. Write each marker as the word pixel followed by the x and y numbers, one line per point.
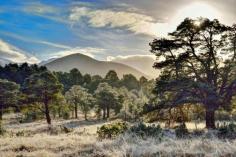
pixel 33 140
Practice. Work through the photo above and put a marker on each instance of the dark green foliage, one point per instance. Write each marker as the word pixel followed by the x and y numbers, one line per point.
pixel 144 130
pixel 31 115
pixel 18 73
pixel 66 115
pixel 107 98
pixel 75 77
pixel 87 79
pixel 181 131
pixel 95 81
pixel 112 130
pixel 42 88
pixel 64 78
pixel 227 131
pixel 112 78
pixel 130 82
pixel 142 81
pixel 9 92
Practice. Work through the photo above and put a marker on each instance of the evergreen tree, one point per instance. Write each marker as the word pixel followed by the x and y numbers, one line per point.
pixel 42 88
pixel 79 97
pixel 112 78
pixel 9 92
pixel 193 69
pixel 107 98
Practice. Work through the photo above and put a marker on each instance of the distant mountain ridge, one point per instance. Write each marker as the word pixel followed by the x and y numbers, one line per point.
pixel 86 64
pixel 143 63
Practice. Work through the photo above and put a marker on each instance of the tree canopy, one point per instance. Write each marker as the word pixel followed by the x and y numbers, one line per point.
pixel 9 92
pixel 198 66
pixel 42 88
pixel 79 96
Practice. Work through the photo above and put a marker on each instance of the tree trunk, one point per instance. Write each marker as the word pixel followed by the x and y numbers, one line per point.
pixel 85 116
pixel 47 114
pixel 1 114
pixel 104 113
pixel 59 113
pixel 108 111
pixel 76 111
pixel 1 111
pixel 210 118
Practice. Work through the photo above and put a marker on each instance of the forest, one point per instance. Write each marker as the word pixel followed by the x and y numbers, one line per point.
pixel 196 85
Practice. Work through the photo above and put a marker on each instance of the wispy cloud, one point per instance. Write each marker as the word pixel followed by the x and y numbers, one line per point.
pixel 22 38
pixel 120 57
pixel 46 11
pixel 14 54
pixel 135 22
pixel 37 7
pixel 89 51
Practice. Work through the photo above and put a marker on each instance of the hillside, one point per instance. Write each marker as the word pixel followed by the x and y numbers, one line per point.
pixel 141 63
pixel 91 66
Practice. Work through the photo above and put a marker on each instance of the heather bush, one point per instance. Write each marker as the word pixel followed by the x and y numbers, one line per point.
pixel 227 131
pixel 112 130
pixel 144 130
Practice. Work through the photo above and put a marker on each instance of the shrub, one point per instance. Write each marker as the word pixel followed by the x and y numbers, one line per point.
pixel 112 130
pixel 181 131
pixel 143 130
pixel 227 131
pixel 66 115
pixel 20 133
pixel 30 116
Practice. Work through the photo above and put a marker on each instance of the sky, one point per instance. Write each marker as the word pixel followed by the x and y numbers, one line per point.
pixel 36 30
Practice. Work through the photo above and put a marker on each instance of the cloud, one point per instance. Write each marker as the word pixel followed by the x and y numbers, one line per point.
pixel 46 11
pixel 39 8
pixel 89 51
pixel 56 45
pixel 14 54
pixel 120 57
pixel 135 22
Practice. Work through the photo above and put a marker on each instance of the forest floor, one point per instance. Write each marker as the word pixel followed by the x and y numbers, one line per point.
pixel 34 140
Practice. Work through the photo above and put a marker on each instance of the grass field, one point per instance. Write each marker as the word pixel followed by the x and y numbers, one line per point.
pixel 34 140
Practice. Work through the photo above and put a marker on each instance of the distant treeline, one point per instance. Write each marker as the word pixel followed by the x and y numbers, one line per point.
pixel 37 92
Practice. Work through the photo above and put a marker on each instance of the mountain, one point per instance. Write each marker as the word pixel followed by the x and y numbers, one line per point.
pixel 142 63
pixel 91 66
pixel 44 62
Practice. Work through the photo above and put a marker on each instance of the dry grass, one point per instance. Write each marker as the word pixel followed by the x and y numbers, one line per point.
pixel 129 145
pixel 36 141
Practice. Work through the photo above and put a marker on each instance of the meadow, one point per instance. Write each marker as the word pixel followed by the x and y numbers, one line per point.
pixel 35 140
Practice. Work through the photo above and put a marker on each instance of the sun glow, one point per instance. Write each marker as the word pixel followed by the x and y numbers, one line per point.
pixel 197 23
pixel 197 10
